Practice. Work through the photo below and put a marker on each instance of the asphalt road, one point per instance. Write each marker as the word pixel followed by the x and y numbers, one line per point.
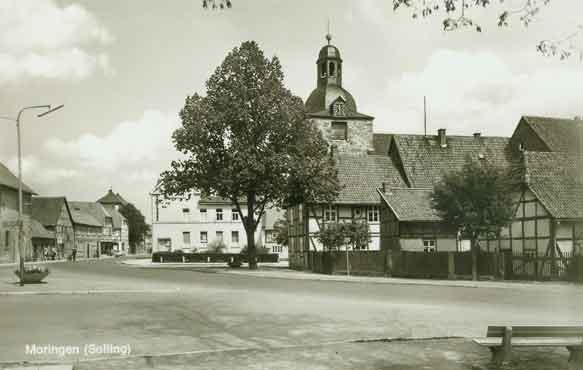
pixel 214 312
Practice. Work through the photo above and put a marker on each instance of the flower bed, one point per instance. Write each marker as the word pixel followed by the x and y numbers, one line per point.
pixel 33 274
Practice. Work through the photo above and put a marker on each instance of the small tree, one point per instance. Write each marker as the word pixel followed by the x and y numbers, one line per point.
pixel 248 141
pixel 136 224
pixel 357 234
pixel 281 228
pixel 477 200
pixel 334 236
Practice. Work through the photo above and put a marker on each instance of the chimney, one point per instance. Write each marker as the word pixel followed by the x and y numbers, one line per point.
pixel 477 135
pixel 442 138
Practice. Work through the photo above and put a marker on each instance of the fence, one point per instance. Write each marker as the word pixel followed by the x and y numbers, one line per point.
pixel 448 265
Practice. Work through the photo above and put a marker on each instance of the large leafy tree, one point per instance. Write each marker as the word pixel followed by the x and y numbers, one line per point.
pixel 248 141
pixel 136 224
pixel 477 200
pixel 459 14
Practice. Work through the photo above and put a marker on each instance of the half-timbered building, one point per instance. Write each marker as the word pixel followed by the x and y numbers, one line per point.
pixel 407 167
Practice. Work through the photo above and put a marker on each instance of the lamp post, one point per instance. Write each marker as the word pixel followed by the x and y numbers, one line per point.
pixel 17 120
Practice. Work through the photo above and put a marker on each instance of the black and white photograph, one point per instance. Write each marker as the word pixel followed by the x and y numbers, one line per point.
pixel 291 184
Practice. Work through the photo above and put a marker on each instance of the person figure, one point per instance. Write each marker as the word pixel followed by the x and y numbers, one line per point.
pixel 74 254
pixel 45 253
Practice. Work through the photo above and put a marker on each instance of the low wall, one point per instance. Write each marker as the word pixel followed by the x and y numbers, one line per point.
pixel 162 257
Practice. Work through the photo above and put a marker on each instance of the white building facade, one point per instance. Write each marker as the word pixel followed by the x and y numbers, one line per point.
pixel 197 224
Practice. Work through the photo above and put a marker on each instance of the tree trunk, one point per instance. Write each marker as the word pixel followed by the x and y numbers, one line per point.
pixel 474 248
pixel 250 231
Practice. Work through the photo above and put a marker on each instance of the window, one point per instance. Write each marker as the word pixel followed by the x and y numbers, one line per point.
pixel 186 214
pixel 429 245
pixel 220 235
pixel 339 131
pixel 331 68
pixel 339 109
pixel 373 214
pixel 330 214
pixel 234 215
pixel 204 237
pixel 235 237
pixel 186 237
pixel 219 214
pixel 7 240
pixel 323 68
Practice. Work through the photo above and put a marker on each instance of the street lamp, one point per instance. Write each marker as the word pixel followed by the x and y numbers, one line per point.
pixel 20 226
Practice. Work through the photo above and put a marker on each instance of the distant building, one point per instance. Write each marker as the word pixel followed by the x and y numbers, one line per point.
pixel 120 235
pixel 55 215
pixel 9 216
pixel 270 217
pixel 192 224
pixel 93 229
pixel 43 241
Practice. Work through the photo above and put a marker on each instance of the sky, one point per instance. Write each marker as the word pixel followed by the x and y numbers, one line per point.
pixel 123 68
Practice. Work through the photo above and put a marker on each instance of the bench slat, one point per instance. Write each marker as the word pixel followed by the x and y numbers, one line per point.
pixel 532 342
pixel 537 331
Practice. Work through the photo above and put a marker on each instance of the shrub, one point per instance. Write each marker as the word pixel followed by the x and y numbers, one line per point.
pixel 217 246
pixel 258 250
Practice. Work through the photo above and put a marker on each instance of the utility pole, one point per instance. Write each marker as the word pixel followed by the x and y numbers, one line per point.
pixel 17 120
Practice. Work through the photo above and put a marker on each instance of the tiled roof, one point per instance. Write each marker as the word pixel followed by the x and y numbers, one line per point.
pixel 411 204
pixel 425 161
pixel 213 200
pixel 8 179
pixel 360 176
pixel 117 218
pixel 560 134
pixel 381 143
pixel 557 181
pixel 47 210
pixel 111 198
pixel 88 213
pixel 38 231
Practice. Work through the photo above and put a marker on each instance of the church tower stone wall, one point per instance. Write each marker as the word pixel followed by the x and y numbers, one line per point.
pixel 333 109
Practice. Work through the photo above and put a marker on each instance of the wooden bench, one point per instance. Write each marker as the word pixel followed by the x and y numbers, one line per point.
pixel 501 339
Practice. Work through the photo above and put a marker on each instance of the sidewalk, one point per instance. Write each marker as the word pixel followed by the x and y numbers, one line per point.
pixel 281 271
pixel 63 282
pixel 48 262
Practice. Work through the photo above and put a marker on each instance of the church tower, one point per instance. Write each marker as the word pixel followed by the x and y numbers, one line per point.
pixel 333 109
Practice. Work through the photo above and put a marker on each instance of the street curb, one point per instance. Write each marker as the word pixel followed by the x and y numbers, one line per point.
pixel 354 279
pixel 90 292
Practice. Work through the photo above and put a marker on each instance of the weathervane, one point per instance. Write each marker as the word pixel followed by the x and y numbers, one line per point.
pixel 329 34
